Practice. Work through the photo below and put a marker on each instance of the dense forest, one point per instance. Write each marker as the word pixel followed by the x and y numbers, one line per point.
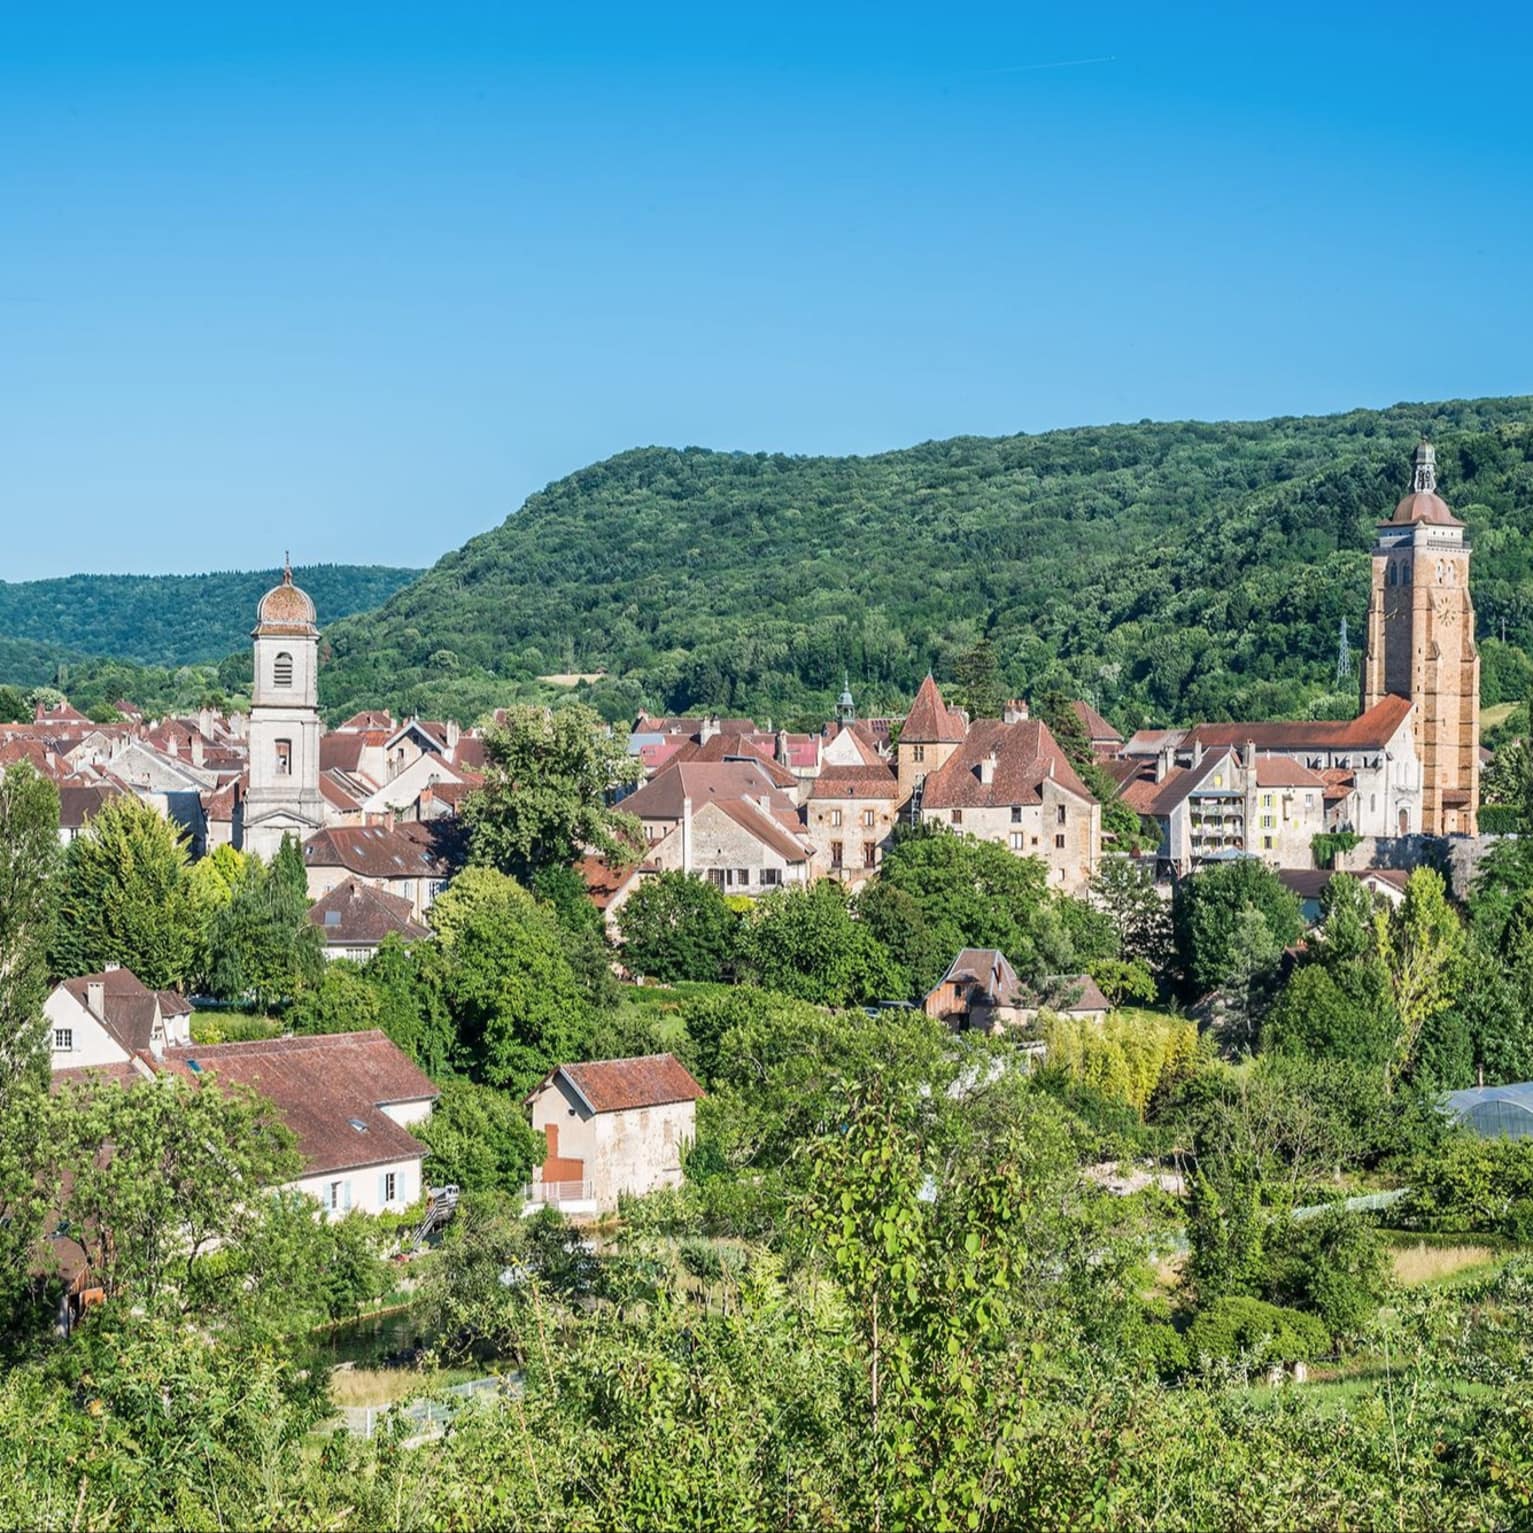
pixel 163 620
pixel 1165 570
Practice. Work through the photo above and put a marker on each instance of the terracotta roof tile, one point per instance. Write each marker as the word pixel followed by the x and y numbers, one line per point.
pixel 615 1085
pixel 355 914
pixel 930 721
pixel 876 782
pixel 1368 731
pixel 318 1085
pixel 1026 757
pixel 410 850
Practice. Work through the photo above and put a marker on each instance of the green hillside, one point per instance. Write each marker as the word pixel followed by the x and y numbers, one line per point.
pixel 171 620
pixel 1167 570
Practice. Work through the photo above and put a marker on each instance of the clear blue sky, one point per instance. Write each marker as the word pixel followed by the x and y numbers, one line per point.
pixel 355 279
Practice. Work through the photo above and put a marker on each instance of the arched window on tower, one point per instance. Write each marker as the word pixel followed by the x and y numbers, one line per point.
pixel 1405 574
pixel 1394 573
pixel 282 670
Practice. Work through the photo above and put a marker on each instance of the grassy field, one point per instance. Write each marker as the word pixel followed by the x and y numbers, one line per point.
pixel 1491 717
pixel 1429 1263
pixel 383 1386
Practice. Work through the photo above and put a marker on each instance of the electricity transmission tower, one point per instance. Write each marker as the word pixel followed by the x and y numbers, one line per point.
pixel 1343 657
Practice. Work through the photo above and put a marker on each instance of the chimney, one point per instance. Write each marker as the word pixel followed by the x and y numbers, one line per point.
pixel 1248 755
pixel 172 744
pixel 111 968
pixel 709 730
pixel 205 721
pixel 454 734
pixel 95 998
pixel 686 833
pixel 1015 711
pixel 987 769
pixel 1164 762
pixel 388 819
pixel 197 750
pixel 1197 751
pixel 782 747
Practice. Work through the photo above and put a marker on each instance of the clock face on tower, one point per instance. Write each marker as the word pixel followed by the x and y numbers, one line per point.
pixel 1446 611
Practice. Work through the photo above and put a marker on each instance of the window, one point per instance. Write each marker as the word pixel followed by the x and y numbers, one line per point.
pixel 282 670
pixel 1266 801
pixel 1059 843
pixel 1018 840
pixel 835 819
pixel 284 758
pixel 836 850
pixel 869 854
pixel 1035 840
pixel 958 817
pixel 918 753
pixel 1059 815
pixel 716 876
pixel 742 876
pixel 1266 822
pixel 869 818
pixel 390 1184
pixel 1267 843
pixel 1016 814
pixel 771 878
pixel 340 1196
pixel 63 1040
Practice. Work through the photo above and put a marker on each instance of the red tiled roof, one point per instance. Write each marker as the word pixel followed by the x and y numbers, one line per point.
pixel 603 881
pixel 875 781
pixel 343 751
pixel 930 721
pixel 757 749
pixel 1424 506
pixel 410 850
pixel 1368 731
pixel 356 914
pixel 468 753
pixel 1285 772
pixel 1097 728
pixel 370 719
pixel 78 806
pixel 1026 757
pixel 615 1085
pixel 128 1006
pixel 766 828
pixel 661 797
pixel 318 1085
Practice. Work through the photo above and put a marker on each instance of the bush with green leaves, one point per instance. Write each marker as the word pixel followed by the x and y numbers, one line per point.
pixel 1470 1185
pixel 676 926
pixel 1238 1328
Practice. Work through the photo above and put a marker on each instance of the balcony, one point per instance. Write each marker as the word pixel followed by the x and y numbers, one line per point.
pixel 567 1197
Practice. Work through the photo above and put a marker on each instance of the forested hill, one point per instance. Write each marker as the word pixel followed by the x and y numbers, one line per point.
pixel 1171 570
pixel 171 620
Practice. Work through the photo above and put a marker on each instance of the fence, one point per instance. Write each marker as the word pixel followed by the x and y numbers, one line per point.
pixel 555 1193
pixel 427 1418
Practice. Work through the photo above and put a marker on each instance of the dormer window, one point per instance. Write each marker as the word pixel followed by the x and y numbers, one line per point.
pixel 282 670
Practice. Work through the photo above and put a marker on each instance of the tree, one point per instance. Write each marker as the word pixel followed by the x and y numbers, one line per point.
pixel 980 689
pixel 1343 1011
pixel 1215 941
pixel 125 898
pixel 972 893
pixel 343 1001
pixel 807 942
pixel 479 1139
pixel 29 845
pixel 263 945
pixel 1125 890
pixel 1422 945
pixel 1504 875
pixel 677 926
pixel 544 797
pixel 177 1180
pixel 506 980
pixel 408 981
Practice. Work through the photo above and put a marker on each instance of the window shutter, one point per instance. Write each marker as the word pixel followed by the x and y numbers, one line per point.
pixel 346 1194
pixel 383 1189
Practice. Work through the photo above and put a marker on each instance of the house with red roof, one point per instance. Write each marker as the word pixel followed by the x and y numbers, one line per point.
pixel 112 1021
pixel 852 806
pixel 727 821
pixel 612 1128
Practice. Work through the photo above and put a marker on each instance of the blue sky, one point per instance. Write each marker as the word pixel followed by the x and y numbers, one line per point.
pixel 355 279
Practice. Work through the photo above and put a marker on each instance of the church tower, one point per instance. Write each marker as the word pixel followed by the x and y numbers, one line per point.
pixel 283 798
pixel 1421 646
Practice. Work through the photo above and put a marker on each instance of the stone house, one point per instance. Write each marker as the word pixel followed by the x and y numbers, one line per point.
pixel 852 805
pixel 612 1127
pixel 981 991
pixel 930 734
pixel 355 918
pixel 1010 783
pixel 412 861
pixel 725 821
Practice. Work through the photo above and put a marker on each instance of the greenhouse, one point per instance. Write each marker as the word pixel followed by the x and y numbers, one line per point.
pixel 1496 1112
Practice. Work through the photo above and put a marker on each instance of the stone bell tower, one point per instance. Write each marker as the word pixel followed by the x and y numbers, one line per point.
pixel 284 797
pixel 1421 646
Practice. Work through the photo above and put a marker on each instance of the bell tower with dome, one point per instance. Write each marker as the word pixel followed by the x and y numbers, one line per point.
pixel 1421 646
pixel 283 797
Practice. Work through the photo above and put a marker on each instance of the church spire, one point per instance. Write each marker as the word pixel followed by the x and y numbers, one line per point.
pixel 287 568
pixel 1424 481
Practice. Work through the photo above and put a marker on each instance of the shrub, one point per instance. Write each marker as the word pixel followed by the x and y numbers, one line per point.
pixel 1236 1327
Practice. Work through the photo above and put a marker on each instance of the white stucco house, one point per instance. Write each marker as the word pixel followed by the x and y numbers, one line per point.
pixel 112 1021
pixel 349 1098
pixel 611 1127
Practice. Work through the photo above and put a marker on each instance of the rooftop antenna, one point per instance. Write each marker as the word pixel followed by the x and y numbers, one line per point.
pixel 1343 657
